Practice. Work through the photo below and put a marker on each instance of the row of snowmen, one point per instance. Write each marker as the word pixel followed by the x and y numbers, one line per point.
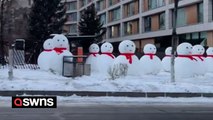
pixel 51 58
pixel 188 63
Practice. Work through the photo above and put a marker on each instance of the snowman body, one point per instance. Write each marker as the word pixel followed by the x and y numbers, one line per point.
pixel 166 61
pixel 209 60
pixel 150 63
pixel 197 53
pixel 106 59
pixel 93 57
pixel 61 44
pixel 184 62
pixel 45 57
pixel 127 49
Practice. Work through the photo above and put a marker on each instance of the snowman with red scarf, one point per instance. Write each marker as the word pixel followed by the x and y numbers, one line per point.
pixel 127 49
pixel 150 63
pixel 93 57
pixel 61 47
pixel 197 53
pixel 106 58
pixel 46 55
pixel 184 62
pixel 209 59
pixel 166 61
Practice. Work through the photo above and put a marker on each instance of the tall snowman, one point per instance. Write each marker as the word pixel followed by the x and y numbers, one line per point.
pixel 150 63
pixel 45 57
pixel 61 44
pixel 127 49
pixel 106 58
pixel 166 61
pixel 93 57
pixel 197 53
pixel 209 60
pixel 184 62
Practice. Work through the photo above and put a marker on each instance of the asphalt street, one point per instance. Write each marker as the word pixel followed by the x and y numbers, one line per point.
pixel 112 112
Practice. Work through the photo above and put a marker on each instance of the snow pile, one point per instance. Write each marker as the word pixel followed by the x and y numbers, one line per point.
pixel 42 80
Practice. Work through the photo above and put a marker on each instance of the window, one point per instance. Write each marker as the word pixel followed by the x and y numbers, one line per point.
pixel 114 15
pixel 101 5
pixel 162 20
pixel 152 4
pixel 181 17
pixel 83 3
pixel 73 28
pixel 113 2
pixel 103 18
pixel 200 12
pixel 131 8
pixel 114 31
pixel 71 5
pixel 131 27
pixel 147 23
pixel 72 17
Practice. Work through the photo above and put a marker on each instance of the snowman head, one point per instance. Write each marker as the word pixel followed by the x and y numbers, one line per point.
pixel 184 49
pixel 168 51
pixel 94 48
pixel 60 41
pixel 209 51
pixel 149 49
pixel 127 46
pixel 48 44
pixel 198 50
pixel 106 47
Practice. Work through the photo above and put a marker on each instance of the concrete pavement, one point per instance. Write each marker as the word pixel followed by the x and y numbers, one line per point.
pixel 112 112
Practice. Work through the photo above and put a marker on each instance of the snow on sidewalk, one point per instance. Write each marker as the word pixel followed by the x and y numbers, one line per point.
pixel 41 80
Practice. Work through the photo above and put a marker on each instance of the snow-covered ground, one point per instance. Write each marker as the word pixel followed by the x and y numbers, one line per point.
pixel 41 80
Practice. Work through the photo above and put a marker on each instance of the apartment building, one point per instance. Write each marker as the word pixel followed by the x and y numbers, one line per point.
pixel 148 21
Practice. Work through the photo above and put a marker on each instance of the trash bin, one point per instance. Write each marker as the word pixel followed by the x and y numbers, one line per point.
pixel 73 68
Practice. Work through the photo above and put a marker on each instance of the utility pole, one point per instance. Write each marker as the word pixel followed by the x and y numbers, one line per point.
pixel 174 41
pixel 2 32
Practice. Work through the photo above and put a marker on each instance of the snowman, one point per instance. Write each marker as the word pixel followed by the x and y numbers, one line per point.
pixel 209 59
pixel 197 53
pixel 166 61
pixel 93 57
pixel 127 49
pixel 184 62
pixel 45 57
pixel 150 63
pixel 106 58
pixel 61 44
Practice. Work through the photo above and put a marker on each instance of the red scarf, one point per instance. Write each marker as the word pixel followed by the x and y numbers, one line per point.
pixel 199 56
pixel 150 55
pixel 187 56
pixel 128 56
pixel 47 50
pixel 59 50
pixel 210 56
pixel 109 54
pixel 94 54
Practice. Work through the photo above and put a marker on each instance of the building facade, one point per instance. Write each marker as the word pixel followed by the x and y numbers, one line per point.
pixel 148 21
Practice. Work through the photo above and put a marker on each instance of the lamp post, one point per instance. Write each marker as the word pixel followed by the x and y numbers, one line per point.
pixel 174 41
pixel 1 29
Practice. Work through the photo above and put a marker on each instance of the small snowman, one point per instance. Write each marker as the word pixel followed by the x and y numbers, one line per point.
pixel 45 57
pixel 184 62
pixel 197 53
pixel 106 58
pixel 150 63
pixel 93 57
pixel 209 60
pixel 166 61
pixel 127 49
pixel 61 44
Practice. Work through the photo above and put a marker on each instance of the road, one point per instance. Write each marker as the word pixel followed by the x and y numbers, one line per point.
pixel 112 112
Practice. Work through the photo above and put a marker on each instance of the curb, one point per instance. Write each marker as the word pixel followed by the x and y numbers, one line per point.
pixel 104 94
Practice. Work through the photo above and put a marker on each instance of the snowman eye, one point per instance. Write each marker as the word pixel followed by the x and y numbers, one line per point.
pixel 150 48
pixel 127 45
pixel 49 44
pixel 93 48
pixel 187 47
pixel 198 49
pixel 64 40
pixel 106 46
pixel 132 45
